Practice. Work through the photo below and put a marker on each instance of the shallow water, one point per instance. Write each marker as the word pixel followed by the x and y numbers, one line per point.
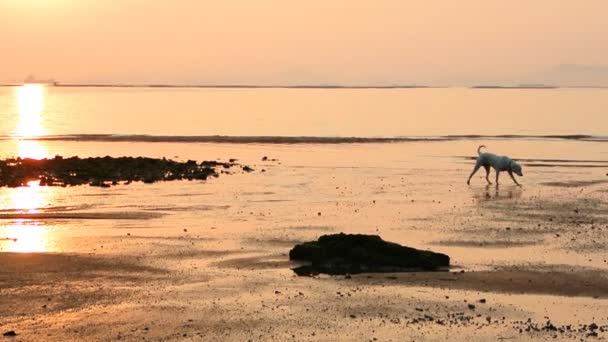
pixel 301 112
pixel 208 257
pixel 397 189
pixel 389 189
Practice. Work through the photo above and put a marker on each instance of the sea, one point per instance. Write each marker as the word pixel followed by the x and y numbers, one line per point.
pixel 318 148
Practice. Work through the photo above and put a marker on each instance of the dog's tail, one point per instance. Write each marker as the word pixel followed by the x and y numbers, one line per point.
pixel 479 149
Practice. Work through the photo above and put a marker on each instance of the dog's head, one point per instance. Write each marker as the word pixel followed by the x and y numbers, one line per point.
pixel 516 168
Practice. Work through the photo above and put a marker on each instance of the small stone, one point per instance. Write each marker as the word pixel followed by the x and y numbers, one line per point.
pixel 10 333
pixel 483 300
pixel 471 307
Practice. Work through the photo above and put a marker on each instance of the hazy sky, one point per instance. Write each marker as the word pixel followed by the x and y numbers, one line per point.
pixel 284 41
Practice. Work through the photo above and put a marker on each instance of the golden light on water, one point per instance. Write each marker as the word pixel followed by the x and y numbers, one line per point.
pixel 30 103
pixel 30 198
pixel 31 149
pixel 26 235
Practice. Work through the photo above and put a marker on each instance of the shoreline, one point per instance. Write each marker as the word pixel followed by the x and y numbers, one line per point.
pixel 231 139
pixel 308 86
pixel 181 260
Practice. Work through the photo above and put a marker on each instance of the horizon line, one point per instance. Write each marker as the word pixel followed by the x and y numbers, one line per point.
pixel 303 86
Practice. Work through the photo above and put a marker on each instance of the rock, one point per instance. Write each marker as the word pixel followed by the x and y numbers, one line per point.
pixel 471 307
pixel 103 171
pixel 357 253
pixel 10 333
pixel 247 169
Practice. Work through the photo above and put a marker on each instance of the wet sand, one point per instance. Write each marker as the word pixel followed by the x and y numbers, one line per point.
pixel 210 261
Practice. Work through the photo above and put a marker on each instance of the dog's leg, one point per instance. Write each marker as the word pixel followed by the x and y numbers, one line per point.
pixel 513 178
pixel 497 174
pixel 487 167
pixel 477 166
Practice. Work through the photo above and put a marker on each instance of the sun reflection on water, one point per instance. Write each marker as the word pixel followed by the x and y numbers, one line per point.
pixel 25 235
pixel 30 103
pixel 31 149
pixel 30 198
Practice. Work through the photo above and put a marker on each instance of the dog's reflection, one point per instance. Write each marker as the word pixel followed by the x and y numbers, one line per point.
pixel 491 193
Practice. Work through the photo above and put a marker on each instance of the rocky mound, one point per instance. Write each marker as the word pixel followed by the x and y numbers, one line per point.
pixel 104 171
pixel 356 253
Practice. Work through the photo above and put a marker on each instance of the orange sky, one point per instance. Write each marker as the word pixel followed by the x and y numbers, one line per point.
pixel 291 42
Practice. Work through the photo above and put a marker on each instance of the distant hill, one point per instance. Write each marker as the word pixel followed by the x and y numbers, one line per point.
pixel 572 75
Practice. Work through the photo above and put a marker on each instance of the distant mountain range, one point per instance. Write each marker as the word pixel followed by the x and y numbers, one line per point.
pixel 571 75
pixel 564 75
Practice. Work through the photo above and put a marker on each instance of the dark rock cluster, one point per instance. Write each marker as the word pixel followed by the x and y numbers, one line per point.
pixel 357 253
pixel 102 171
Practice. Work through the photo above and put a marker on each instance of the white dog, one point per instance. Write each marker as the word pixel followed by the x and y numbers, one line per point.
pixel 498 163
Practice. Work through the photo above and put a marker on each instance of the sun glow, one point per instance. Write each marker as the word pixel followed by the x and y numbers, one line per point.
pixel 31 149
pixel 30 100
pixel 26 235
pixel 30 198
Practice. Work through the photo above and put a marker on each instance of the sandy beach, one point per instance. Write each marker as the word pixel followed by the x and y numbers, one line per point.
pixel 303 170
pixel 208 260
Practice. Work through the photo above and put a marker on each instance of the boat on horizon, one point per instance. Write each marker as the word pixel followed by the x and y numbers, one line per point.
pixel 33 80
